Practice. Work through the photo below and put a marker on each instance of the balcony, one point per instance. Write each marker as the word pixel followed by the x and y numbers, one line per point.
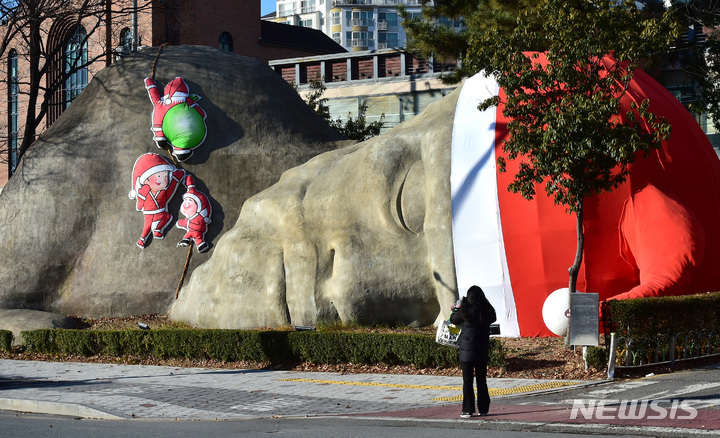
pixel 382 25
pixel 378 2
pixel 359 22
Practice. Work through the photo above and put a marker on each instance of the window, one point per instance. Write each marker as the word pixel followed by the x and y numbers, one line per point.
pixel 335 20
pixel 387 39
pixel 359 39
pixel 392 39
pixel 284 9
pixel 126 40
pixel 306 23
pixel 451 23
pixel 76 59
pixel 225 42
pixel 391 18
pixel 13 92
pixel 361 18
pixel 307 6
pixel 336 37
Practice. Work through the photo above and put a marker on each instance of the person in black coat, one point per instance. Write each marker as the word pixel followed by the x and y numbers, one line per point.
pixel 474 317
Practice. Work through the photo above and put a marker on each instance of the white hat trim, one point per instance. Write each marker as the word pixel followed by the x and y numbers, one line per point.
pixel 153 170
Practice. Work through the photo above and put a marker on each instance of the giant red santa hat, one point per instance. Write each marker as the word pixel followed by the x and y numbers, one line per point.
pixel 654 235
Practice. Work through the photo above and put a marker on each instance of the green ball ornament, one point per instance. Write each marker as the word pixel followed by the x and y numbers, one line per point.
pixel 184 127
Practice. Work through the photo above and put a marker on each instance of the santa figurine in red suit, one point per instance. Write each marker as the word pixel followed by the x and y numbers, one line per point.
pixel 197 211
pixel 154 182
pixel 176 118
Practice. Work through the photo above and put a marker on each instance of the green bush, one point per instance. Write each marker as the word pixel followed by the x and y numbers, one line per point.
pixel 276 347
pixel 6 339
pixel 645 326
pixel 597 357
pixel 646 318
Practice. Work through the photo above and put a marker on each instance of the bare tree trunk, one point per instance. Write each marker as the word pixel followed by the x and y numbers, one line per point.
pixel 34 57
pixel 575 268
pixel 27 26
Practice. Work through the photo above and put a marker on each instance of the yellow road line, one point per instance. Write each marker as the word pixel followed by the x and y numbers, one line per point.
pixel 492 391
pixel 389 385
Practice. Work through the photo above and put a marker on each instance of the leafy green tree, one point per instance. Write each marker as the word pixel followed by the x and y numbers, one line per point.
pixel 358 128
pixel 698 55
pixel 709 79
pixel 565 129
pixel 353 128
pixel 316 101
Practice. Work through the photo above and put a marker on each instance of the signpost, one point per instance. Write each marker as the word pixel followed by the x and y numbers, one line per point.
pixel 584 319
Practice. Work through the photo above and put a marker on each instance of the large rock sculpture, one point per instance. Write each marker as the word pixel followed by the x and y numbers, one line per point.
pixel 358 234
pixel 69 230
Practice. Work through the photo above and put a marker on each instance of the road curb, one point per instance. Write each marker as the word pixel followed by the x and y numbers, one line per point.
pixel 55 408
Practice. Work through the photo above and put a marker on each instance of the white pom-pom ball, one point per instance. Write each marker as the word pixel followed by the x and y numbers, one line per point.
pixel 555 311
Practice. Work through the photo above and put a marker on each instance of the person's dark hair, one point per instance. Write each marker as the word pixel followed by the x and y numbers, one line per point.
pixel 473 303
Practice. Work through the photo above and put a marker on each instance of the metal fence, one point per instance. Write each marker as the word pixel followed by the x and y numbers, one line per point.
pixel 664 349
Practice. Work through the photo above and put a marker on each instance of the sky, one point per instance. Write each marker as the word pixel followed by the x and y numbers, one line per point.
pixel 266 6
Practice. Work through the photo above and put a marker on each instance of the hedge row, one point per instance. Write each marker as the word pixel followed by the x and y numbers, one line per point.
pixel 648 317
pixel 6 338
pixel 276 347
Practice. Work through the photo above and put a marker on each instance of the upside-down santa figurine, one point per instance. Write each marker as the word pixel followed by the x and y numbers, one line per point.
pixel 197 211
pixel 176 117
pixel 154 182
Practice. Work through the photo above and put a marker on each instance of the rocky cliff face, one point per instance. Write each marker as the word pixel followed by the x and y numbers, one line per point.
pixel 68 240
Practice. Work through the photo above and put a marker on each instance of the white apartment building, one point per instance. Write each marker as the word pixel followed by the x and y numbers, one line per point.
pixel 357 25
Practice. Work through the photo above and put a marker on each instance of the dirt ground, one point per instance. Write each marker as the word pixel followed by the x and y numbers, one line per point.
pixel 532 358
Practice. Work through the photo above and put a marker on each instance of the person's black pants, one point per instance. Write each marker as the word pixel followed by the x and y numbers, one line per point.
pixel 479 370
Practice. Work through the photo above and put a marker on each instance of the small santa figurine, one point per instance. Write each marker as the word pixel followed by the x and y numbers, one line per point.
pixel 176 118
pixel 154 182
pixel 197 211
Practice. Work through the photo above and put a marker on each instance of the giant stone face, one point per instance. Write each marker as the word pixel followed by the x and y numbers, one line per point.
pixel 360 234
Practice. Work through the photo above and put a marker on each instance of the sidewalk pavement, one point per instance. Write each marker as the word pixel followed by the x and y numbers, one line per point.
pixel 109 391
pixel 125 392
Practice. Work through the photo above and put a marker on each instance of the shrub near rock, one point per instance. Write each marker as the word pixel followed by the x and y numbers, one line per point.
pixel 6 338
pixel 275 347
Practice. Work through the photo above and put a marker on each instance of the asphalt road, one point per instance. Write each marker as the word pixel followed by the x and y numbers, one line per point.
pixel 151 401
pixel 33 425
pixel 680 404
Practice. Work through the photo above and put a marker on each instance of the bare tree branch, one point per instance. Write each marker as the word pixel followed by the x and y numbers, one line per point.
pixel 38 33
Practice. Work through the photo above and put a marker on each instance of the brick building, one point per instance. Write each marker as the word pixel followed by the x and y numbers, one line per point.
pixel 115 28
